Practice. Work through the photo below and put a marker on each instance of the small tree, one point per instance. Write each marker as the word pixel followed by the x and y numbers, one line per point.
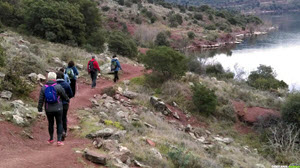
pixel 204 99
pixel 166 61
pixel 161 39
pixel 122 44
pixel 291 109
pixel 97 39
pixel 191 35
pixel 2 57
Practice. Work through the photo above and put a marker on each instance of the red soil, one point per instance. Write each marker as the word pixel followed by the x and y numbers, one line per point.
pixel 19 151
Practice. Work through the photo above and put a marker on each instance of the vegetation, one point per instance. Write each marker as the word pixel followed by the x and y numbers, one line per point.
pixel 218 71
pixel 162 39
pixel 291 109
pixel 122 44
pixel 2 57
pixel 264 78
pixel 166 61
pixel 191 35
pixel 204 99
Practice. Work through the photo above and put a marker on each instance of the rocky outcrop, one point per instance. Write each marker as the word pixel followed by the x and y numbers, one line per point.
pixel 130 94
pixel 95 157
pixel 105 133
pixel 41 78
pixel 252 115
pixel 6 95
pixel 159 105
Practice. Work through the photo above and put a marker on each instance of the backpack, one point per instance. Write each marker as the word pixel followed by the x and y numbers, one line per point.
pixel 113 65
pixel 50 94
pixel 91 66
pixel 70 73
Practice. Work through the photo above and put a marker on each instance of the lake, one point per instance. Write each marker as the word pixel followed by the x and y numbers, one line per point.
pixel 279 49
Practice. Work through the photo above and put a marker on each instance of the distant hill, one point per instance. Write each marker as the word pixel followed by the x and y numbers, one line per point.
pixel 246 5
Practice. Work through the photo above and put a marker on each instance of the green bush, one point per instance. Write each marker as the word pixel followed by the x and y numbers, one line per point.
pixel 291 109
pixel 210 27
pixel 198 16
pixel 175 20
pixel 204 99
pixel 6 13
pixel 161 39
pixel 122 44
pixel 184 159
pixel 264 79
pixel 97 39
pixel 191 35
pixel 2 57
pixel 105 8
pixel 166 61
pixel 218 71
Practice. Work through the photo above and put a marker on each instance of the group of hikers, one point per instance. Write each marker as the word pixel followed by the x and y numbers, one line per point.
pixel 55 95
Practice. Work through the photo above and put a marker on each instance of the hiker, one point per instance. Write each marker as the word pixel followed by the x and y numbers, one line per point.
pixel 52 95
pixel 115 67
pixel 66 76
pixel 72 72
pixel 93 68
pixel 60 80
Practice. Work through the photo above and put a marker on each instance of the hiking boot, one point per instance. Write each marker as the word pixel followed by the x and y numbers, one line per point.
pixel 64 135
pixel 50 141
pixel 60 143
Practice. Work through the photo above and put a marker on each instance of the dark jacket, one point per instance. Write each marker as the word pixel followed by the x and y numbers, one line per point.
pixel 118 67
pixel 67 88
pixel 56 107
pixel 96 65
pixel 76 73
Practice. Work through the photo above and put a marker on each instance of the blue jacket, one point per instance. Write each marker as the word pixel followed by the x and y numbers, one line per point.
pixel 67 79
pixel 76 73
pixel 118 65
pixel 67 89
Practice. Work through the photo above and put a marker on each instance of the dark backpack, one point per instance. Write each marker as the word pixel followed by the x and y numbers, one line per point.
pixel 70 73
pixel 113 65
pixel 91 66
pixel 50 94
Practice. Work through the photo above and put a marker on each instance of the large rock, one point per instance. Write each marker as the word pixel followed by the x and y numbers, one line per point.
pixel 158 104
pixel 252 115
pixel 95 157
pixel 105 68
pixel 80 66
pixel 105 133
pixel 130 94
pixel 33 77
pixel 224 140
pixel 57 60
pixel 6 95
pixel 41 78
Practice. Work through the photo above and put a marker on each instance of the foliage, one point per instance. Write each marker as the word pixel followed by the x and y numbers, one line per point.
pixel 166 61
pixel 97 40
pixel 110 91
pixel 218 71
pixel 105 8
pixel 204 99
pixel 291 109
pixel 122 44
pixel 264 78
pixel 191 35
pixel 115 124
pixel 198 16
pixel 161 39
pixel 175 20
pixel 183 159
pixel 2 57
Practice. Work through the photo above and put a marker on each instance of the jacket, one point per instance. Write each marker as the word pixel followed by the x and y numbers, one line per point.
pixel 76 73
pixel 67 89
pixel 96 65
pixel 56 107
pixel 118 67
pixel 67 79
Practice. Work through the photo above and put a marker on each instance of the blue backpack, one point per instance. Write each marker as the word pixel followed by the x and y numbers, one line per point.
pixel 50 94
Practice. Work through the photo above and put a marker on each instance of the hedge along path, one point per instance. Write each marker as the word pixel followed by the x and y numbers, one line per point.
pixel 17 150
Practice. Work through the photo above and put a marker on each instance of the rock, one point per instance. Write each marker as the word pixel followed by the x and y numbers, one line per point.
pixel 124 154
pixel 117 163
pixel 105 133
pixel 105 68
pixel 176 116
pixel 118 135
pixel 117 97
pixel 150 142
pixel 27 135
pixel 156 153
pixel 2 75
pixel 201 139
pixel 41 78
pixel 104 96
pixel 130 94
pixel 33 77
pixel 175 104
pixel 95 157
pixel 260 166
pixel 79 66
pixel 188 128
pixel 120 90
pixel 252 115
pixel 158 104
pixel 122 114
pixel 94 102
pixel 6 95
pixel 110 145
pixel 103 114
pixel 126 82
pixel 224 140
pixel 17 103
pixel 57 60
pixel 137 163
pixel 17 119
pixel 73 128
pixel 148 125
pixel 98 142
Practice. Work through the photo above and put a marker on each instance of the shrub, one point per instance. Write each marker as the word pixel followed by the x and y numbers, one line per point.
pixel 121 2
pixel 198 16
pixel 128 4
pixel 6 12
pixel 166 61
pixel 291 109
pixel 210 27
pixel 97 39
pixel 2 57
pixel 105 8
pixel 183 159
pixel 122 44
pixel 264 78
pixel 191 35
pixel 109 91
pixel 175 20
pixel 218 71
pixel 161 39
pixel 204 99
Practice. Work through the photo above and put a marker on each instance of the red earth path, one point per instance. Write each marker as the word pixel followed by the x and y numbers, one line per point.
pixel 18 151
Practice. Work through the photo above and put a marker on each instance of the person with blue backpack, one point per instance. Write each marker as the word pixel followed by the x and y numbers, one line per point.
pixel 60 80
pixel 51 96
pixel 66 76
pixel 72 72
pixel 115 67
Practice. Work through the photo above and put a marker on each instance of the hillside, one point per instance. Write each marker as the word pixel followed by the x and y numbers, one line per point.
pixel 169 110
pixel 259 6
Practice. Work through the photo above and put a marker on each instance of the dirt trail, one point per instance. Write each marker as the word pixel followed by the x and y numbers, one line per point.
pixel 18 151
